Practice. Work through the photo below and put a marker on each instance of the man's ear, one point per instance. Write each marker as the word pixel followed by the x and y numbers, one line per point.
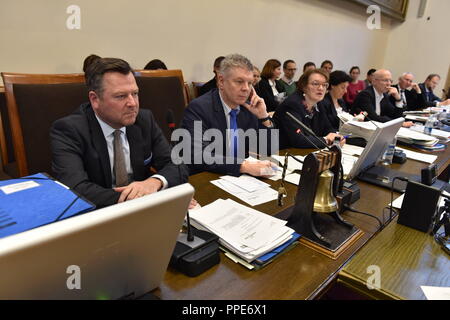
pixel 93 99
pixel 220 80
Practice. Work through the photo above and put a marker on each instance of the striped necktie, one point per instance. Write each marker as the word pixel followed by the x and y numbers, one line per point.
pixel 120 169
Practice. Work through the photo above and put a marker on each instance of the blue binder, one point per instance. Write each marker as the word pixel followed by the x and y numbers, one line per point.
pixel 36 200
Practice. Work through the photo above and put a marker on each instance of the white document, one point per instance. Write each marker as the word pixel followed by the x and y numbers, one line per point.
pixel 442 135
pixel 352 150
pixel 16 187
pixel 348 162
pixel 252 198
pixel 410 136
pixel 292 163
pixel 436 293
pixel 397 203
pixel 246 182
pixel 293 178
pixel 247 232
pixel 427 158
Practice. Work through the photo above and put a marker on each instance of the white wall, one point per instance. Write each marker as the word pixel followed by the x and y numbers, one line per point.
pixel 187 34
pixel 419 45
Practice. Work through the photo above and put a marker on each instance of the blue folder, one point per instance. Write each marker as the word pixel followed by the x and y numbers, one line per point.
pixel 30 208
pixel 268 257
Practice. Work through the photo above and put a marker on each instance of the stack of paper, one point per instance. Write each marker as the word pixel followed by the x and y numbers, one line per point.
pixel 247 188
pixel 443 136
pixel 245 232
pixel 359 129
pixel 413 137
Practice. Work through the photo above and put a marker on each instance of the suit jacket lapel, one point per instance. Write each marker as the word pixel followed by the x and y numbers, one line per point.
pixel 219 114
pixel 135 141
pixel 99 143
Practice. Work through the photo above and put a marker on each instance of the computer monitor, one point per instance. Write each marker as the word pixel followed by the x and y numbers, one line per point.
pixel 376 146
pixel 116 252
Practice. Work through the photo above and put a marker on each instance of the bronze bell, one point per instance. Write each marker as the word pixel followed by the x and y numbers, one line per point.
pixel 324 201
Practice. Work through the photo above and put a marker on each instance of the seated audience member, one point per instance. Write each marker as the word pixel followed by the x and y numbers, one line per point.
pixel 333 103
pixel 369 77
pixel 155 64
pixel 287 81
pixel 211 84
pixel 354 87
pixel 431 100
pixel 374 100
pixel 89 60
pixel 256 76
pixel 303 104
pixel 327 66
pixel 269 88
pixel 105 150
pixel 234 105
pixel 410 92
pixel 309 66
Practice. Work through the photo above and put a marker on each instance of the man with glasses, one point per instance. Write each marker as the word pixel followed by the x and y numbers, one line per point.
pixel 231 109
pixel 289 69
pixel 431 100
pixel 375 100
pixel 410 92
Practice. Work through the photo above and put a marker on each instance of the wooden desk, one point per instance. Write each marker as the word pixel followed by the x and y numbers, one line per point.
pixel 407 259
pixel 300 273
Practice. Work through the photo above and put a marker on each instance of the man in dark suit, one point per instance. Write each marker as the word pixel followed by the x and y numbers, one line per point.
pixel 105 150
pixel 410 93
pixel 223 117
pixel 431 100
pixel 211 84
pixel 375 102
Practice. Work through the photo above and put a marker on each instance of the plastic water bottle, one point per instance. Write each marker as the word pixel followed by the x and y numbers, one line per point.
pixel 429 124
pixel 389 153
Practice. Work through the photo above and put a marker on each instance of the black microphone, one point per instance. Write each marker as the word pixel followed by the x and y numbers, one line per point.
pixel 310 132
pixel 341 180
pixel 170 120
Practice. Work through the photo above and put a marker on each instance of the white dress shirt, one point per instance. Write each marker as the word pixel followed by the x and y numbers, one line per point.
pixel 108 133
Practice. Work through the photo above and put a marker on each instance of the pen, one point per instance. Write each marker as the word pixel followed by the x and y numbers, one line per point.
pixel 347 136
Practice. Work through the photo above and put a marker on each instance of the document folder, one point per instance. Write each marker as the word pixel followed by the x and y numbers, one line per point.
pixel 36 200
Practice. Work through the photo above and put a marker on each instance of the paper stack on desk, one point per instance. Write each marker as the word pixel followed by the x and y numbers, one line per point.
pixel 247 188
pixel 245 232
pixel 413 137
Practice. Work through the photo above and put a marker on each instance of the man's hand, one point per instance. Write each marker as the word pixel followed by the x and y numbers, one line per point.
pixel 444 103
pixel 138 189
pixel 329 138
pixel 258 168
pixel 192 204
pixel 394 92
pixel 257 106
pixel 416 87
pixel 407 124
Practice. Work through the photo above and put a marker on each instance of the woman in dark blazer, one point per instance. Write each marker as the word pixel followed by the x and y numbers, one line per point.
pixel 303 104
pixel 269 88
pixel 333 102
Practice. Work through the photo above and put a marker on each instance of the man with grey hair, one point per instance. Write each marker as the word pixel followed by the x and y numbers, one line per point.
pixel 231 109
pixel 410 92
pixel 375 101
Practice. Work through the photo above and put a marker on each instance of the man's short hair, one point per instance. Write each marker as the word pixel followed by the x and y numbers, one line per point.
pixel 89 60
pixel 308 64
pixel 371 71
pixel 218 61
pixel 95 71
pixel 285 64
pixel 235 61
pixel 304 79
pixel 326 62
pixel 431 76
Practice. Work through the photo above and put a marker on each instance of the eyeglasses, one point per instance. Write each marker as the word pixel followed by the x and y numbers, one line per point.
pixel 317 85
pixel 291 69
pixel 385 80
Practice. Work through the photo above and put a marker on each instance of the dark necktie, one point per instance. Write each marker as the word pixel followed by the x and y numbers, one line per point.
pixel 430 96
pixel 120 169
pixel 233 132
pixel 403 96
